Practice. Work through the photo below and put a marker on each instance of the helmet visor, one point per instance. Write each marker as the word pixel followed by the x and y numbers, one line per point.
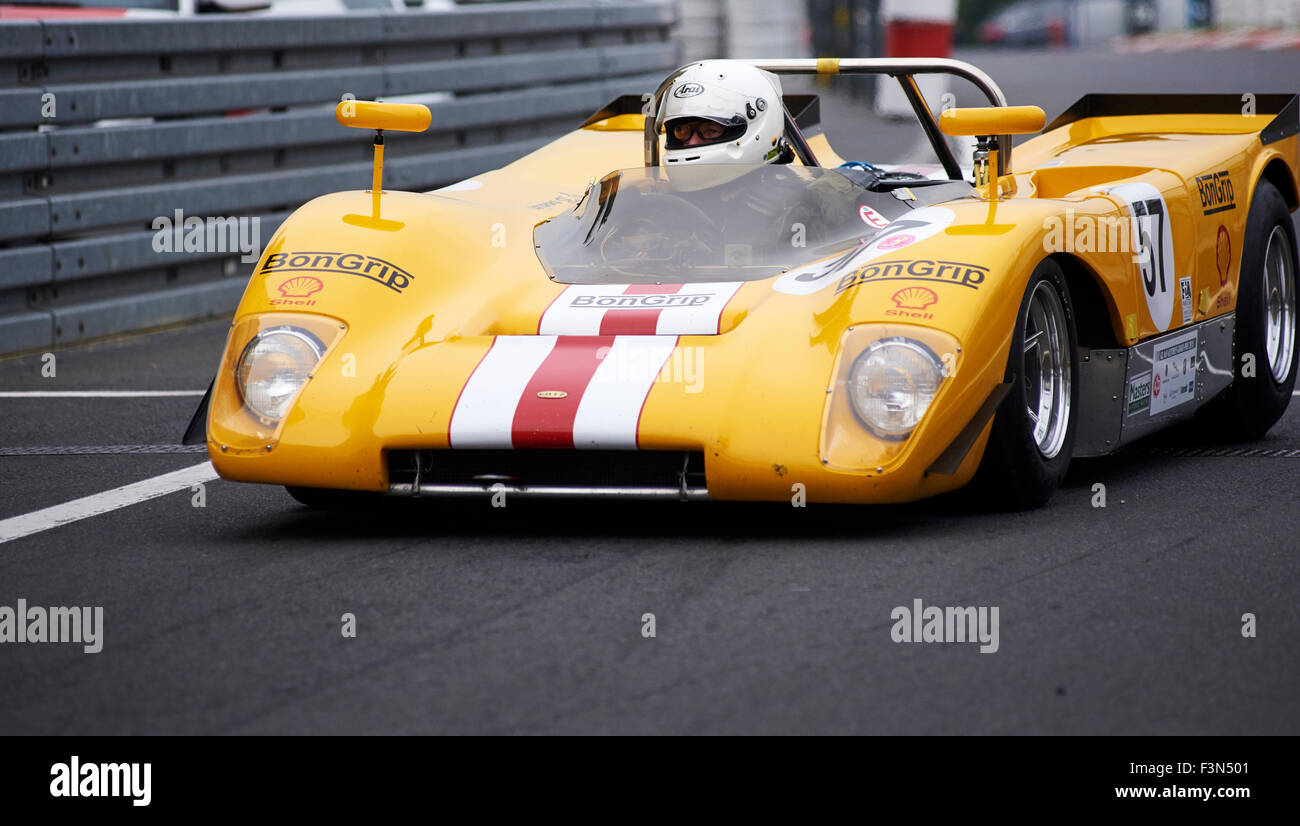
pixel 697 130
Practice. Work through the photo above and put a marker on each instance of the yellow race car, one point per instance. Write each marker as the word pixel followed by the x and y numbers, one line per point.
pixel 593 321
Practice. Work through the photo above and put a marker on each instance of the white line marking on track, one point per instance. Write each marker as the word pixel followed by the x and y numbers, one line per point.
pixel 110 500
pixel 96 394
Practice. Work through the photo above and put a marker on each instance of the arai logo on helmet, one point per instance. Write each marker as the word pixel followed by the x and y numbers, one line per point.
pixel 688 90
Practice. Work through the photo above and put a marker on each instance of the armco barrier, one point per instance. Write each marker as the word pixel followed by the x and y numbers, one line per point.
pixel 106 126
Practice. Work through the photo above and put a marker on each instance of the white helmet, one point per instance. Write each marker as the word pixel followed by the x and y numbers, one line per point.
pixel 743 99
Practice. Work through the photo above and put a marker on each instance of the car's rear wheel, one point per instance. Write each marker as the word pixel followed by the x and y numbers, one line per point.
pixel 1264 338
pixel 1032 435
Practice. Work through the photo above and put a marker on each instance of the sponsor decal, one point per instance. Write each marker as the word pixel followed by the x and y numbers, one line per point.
pixel 898 241
pixel 638 309
pixel 1217 194
pixel 1223 254
pixel 1153 240
pixel 552 394
pixel 1173 369
pixel 298 291
pixel 1139 394
pixel 808 280
pixel 688 90
pixel 872 218
pixel 918 225
pixel 1185 295
pixel 638 302
pixel 913 302
pixel 920 269
pixel 340 263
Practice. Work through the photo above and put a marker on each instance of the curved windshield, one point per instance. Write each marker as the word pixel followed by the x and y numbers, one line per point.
pixel 709 223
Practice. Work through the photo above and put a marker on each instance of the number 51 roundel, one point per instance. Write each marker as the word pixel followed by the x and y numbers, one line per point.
pixel 1151 239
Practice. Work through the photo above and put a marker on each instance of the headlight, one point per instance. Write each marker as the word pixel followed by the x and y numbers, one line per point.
pixel 892 384
pixel 274 367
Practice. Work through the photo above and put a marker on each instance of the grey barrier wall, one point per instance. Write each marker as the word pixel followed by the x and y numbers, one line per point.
pixel 109 127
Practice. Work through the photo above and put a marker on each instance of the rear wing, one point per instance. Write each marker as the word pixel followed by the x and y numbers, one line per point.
pixel 902 69
pixel 1284 109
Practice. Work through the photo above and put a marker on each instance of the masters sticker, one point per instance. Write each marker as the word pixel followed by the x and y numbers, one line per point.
pixel 1139 394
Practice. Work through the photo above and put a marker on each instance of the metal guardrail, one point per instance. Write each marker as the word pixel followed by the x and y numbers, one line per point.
pixel 106 126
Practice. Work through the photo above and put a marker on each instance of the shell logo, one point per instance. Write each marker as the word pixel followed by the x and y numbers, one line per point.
pixel 1223 254
pixel 915 298
pixel 300 286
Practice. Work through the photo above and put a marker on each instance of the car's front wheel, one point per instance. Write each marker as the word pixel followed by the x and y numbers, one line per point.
pixel 1032 435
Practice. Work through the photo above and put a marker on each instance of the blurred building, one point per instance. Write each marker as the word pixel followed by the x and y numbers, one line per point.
pixel 744 28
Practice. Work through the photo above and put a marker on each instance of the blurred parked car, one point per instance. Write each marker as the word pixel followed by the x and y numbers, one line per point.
pixel 1029 23
pixel 59 9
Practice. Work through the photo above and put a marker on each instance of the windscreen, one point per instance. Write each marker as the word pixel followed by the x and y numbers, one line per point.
pixel 708 223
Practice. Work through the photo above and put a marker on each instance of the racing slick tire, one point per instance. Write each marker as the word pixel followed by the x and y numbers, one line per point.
pixel 1032 434
pixel 1264 354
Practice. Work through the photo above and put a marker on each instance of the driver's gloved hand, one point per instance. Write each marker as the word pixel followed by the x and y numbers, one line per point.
pixel 860 176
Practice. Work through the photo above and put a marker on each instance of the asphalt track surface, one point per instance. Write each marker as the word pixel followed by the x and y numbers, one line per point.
pixel 528 619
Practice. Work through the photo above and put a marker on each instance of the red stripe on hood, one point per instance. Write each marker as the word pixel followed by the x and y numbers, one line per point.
pixel 548 422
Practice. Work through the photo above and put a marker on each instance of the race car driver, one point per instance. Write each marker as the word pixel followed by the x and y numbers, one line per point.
pixel 723 112
pixel 723 120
